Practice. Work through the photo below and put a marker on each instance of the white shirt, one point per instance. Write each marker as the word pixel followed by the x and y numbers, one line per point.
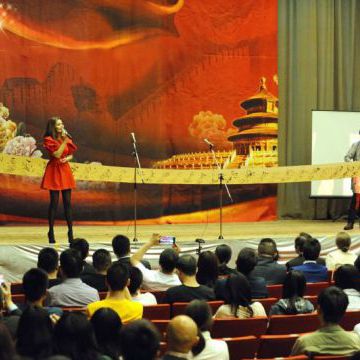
pixel 354 299
pixel 213 350
pixel 157 280
pixel 145 298
pixel 337 258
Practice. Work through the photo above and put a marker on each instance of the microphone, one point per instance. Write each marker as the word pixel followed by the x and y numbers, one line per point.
pixel 66 133
pixel 133 137
pixel 209 143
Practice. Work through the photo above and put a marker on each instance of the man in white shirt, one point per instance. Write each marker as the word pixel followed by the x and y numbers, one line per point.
pixel 163 278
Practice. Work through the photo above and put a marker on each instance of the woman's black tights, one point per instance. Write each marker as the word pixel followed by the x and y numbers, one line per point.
pixel 54 201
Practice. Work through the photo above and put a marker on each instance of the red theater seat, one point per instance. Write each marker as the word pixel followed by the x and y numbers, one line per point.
pixel 314 289
pixel 267 303
pixel 293 324
pixel 350 319
pixel 18 298
pixel 157 312
pixel 16 288
pixel 161 325
pixel 240 347
pixel 276 345
pixel 274 291
pixel 178 308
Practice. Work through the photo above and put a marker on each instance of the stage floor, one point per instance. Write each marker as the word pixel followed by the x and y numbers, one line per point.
pixel 15 234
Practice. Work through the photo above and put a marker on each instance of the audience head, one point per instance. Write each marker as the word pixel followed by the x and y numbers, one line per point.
pixel 107 325
pixel 82 246
pixel 117 277
pixel 35 283
pixel 207 268
pixel 182 334
pixel 168 259
pixel 343 241
pixel 34 333
pixel 200 312
pixel 305 235
pixel 332 304
pixel 74 337
pixel 136 279
pixel 246 261
pixel 186 266
pixel 223 252
pixel 139 340
pixel 7 349
pixel 311 249
pixel 71 263
pixel 267 248
pixel 48 260
pixel 101 260
pixel 299 244
pixel 347 277
pixel 121 245
pixel 294 285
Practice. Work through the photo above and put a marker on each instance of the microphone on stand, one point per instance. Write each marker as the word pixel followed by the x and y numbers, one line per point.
pixel 133 137
pixel 209 143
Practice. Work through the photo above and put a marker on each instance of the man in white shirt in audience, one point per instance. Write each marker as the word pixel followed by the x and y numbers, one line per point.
pixel 165 277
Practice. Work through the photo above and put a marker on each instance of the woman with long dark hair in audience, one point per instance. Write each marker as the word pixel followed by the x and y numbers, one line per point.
pixel 107 325
pixel 207 269
pixel 293 301
pixel 238 301
pixel 34 333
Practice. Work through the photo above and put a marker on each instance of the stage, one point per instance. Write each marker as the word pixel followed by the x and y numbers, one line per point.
pixel 19 245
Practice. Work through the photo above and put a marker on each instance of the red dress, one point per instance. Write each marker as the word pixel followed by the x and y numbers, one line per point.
pixel 58 175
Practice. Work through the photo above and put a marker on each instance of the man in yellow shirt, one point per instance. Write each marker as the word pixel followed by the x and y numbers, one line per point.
pixel 118 297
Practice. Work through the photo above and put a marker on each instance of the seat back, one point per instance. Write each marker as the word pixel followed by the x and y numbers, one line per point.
pixel 240 347
pixel 17 288
pixel 275 291
pixel 157 312
pixel 161 325
pixel 293 324
pixel 271 346
pixel 178 308
pixel 314 289
pixel 350 319
pixel 18 298
pixel 267 303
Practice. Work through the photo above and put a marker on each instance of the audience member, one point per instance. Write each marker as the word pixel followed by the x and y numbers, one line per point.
pixel 313 272
pixel 7 349
pixel 139 340
pixel 267 266
pixel 293 301
pixel 74 337
pixel 83 247
pixel 9 312
pixel 121 248
pixel 182 336
pixel 34 334
pixel 190 288
pixel 223 252
pixel 238 301
pixel 331 338
pixel 342 255
pixel 48 260
pixel 200 312
pixel 163 278
pixel 101 262
pixel 72 291
pixel 207 269
pixel 107 325
pixel 118 297
pixel 347 277
pixel 136 279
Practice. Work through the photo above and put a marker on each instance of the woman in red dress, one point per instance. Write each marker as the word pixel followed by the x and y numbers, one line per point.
pixel 58 176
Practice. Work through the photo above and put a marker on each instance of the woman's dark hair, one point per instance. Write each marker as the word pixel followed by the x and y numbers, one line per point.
pixel 34 333
pixel 207 266
pixel 347 277
pixel 51 127
pixel 74 337
pixel 238 293
pixel 200 312
pixel 107 325
pixel 136 279
pixel 7 348
pixel 294 288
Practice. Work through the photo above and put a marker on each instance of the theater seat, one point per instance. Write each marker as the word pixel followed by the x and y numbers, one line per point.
pixel 276 345
pixel 275 291
pixel 240 347
pixel 350 319
pixel 293 324
pixel 314 289
pixel 161 325
pixel 267 303
pixel 18 298
pixel 17 288
pixel 157 312
pixel 178 308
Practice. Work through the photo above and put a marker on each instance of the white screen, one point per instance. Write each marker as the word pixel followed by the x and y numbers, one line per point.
pixel 333 132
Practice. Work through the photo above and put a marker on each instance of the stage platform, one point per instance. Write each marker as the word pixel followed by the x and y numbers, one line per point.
pixel 19 245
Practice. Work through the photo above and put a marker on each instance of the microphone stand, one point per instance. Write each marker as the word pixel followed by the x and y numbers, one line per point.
pixel 137 167
pixel 221 185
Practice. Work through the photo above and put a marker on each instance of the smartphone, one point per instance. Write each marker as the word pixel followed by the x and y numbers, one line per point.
pixel 167 240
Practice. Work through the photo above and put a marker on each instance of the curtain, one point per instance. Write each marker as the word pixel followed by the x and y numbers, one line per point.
pixel 319 69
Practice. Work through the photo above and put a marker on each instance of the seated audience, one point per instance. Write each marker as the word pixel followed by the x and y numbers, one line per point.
pixel 136 279
pixel 347 277
pixel 163 278
pixel 118 297
pixel 82 246
pixel 331 338
pixel 139 340
pixel 107 325
pixel 7 348
pixel 207 269
pixel 200 312
pixel 313 272
pixel 34 334
pixel 293 301
pixel 190 288
pixel 267 266
pixel 48 260
pixel 72 291
pixel 74 337
pixel 182 336
pixel 101 262
pixel 238 301
pixel 223 253
pixel 9 312
pixel 342 255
